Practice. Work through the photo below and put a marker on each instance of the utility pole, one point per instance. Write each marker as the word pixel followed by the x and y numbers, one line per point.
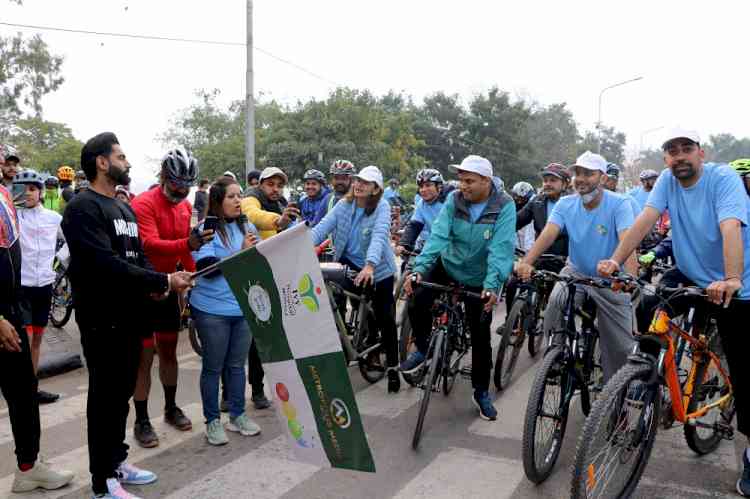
pixel 249 100
pixel 599 113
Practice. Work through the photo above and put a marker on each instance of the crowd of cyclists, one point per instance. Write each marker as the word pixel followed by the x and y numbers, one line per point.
pixel 470 232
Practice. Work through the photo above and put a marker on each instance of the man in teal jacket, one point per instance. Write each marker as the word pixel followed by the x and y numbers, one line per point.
pixel 472 243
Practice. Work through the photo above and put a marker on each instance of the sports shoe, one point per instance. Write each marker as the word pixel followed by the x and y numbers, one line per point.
pixel 243 425
pixel 47 397
pixel 177 418
pixel 115 491
pixel 412 363
pixel 131 475
pixel 215 433
pixel 481 400
pixel 41 476
pixel 743 484
pixel 394 380
pixel 260 401
pixel 145 435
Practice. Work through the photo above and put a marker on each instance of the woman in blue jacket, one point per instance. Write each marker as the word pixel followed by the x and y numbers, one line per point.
pixel 361 226
pixel 223 331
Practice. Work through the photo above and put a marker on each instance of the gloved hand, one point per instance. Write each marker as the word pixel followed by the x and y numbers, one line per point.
pixel 647 258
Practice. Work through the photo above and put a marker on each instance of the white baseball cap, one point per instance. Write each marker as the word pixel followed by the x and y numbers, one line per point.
pixel 371 174
pixel 591 161
pixel 475 164
pixel 229 174
pixel 272 171
pixel 680 133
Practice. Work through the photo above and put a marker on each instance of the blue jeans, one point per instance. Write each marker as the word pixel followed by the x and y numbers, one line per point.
pixel 225 341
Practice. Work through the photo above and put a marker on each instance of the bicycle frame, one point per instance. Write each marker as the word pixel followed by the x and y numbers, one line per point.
pixel 662 327
pixel 358 314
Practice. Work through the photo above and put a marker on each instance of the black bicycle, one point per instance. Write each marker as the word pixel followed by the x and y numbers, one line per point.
pixel 405 337
pixel 571 363
pixel 525 318
pixel 450 340
pixel 62 295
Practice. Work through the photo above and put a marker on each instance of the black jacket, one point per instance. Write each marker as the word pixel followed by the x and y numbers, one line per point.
pixel 535 212
pixel 111 278
pixel 265 203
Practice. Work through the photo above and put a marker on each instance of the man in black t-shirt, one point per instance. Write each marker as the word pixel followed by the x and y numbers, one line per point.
pixel 201 199
pixel 111 281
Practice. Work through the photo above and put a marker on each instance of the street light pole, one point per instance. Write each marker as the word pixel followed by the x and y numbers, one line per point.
pixel 646 132
pixel 249 101
pixel 599 121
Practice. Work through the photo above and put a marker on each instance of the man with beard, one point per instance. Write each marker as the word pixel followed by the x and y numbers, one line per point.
pixel 555 184
pixel 265 206
pixel 10 169
pixel 315 193
pixel 112 283
pixel 342 172
pixel 595 220
pixel 164 226
pixel 640 194
pixel 711 243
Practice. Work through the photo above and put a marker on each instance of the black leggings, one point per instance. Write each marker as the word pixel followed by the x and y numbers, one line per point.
pixel 384 306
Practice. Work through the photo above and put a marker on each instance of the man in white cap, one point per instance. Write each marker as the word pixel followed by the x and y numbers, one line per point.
pixel 265 205
pixel 711 243
pixel 472 242
pixel 595 220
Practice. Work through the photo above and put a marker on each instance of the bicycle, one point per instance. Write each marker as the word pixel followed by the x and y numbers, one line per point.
pixel 360 339
pixel 405 338
pixel 571 363
pixel 449 342
pixel 525 318
pixel 621 430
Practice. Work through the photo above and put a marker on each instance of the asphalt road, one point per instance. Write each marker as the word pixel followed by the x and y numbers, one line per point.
pixel 460 456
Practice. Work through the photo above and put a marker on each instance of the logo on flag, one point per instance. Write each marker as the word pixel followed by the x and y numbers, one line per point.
pixel 259 302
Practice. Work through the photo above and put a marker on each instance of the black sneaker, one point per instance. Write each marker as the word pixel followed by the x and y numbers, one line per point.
pixel 145 435
pixel 743 484
pixel 47 397
pixel 177 418
pixel 394 380
pixel 260 401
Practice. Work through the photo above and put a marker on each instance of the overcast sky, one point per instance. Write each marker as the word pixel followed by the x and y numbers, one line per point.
pixel 692 57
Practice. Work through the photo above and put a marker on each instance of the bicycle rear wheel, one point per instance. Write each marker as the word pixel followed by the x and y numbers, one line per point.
pixel 436 359
pixel 510 344
pixel 546 416
pixel 708 387
pixel 195 340
pixel 618 436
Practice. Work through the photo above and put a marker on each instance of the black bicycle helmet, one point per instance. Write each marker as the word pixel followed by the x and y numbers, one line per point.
pixel 429 175
pixel 180 167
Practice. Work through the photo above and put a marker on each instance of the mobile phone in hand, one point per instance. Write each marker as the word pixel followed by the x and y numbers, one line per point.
pixel 210 223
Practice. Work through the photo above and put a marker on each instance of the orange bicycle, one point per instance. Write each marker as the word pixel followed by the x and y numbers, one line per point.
pixel 617 438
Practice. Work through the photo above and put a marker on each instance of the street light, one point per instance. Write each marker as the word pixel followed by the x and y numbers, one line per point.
pixel 599 122
pixel 646 132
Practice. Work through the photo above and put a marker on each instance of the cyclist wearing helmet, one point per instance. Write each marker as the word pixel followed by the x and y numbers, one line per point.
pixel 610 182
pixel 522 193
pixel 164 225
pixel 342 171
pixel 314 197
pixel 123 194
pixel 432 193
pixel 80 177
pixel 595 219
pixel 52 194
pixel 742 167
pixel 39 228
pixel 66 174
pixel 640 194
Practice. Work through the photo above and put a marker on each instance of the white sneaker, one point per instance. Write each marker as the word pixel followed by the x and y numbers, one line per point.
pixel 115 491
pixel 215 433
pixel 41 476
pixel 132 475
pixel 243 425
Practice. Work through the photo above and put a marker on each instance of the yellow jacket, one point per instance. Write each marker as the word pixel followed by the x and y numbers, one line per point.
pixel 264 221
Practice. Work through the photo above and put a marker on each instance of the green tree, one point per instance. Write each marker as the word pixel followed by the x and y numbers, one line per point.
pixel 725 147
pixel 45 145
pixel 552 135
pixel 612 143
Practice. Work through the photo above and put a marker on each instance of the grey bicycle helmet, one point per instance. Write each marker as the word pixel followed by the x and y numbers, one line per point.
pixel 316 175
pixel 29 177
pixel 523 190
pixel 342 167
pixel 180 167
pixel 646 174
pixel 429 175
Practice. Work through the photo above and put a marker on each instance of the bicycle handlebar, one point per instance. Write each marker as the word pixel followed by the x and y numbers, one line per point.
pixel 449 289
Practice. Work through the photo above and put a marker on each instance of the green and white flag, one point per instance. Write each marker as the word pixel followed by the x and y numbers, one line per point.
pixel 280 289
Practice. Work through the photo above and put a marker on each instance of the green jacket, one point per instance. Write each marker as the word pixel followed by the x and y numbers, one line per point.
pixel 52 201
pixel 476 254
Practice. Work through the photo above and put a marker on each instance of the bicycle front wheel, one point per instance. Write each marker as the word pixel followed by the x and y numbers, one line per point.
pixel 510 345
pixel 435 354
pixel 62 306
pixel 618 436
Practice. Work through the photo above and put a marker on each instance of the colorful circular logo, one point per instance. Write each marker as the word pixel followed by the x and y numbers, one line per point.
pixel 307 291
pixel 259 302
pixel 340 414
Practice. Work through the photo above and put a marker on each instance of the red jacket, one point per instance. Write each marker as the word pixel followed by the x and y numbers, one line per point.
pixel 164 228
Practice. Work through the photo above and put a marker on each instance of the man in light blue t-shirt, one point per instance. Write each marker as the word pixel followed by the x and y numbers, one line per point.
pixel 711 243
pixel 640 194
pixel 595 219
